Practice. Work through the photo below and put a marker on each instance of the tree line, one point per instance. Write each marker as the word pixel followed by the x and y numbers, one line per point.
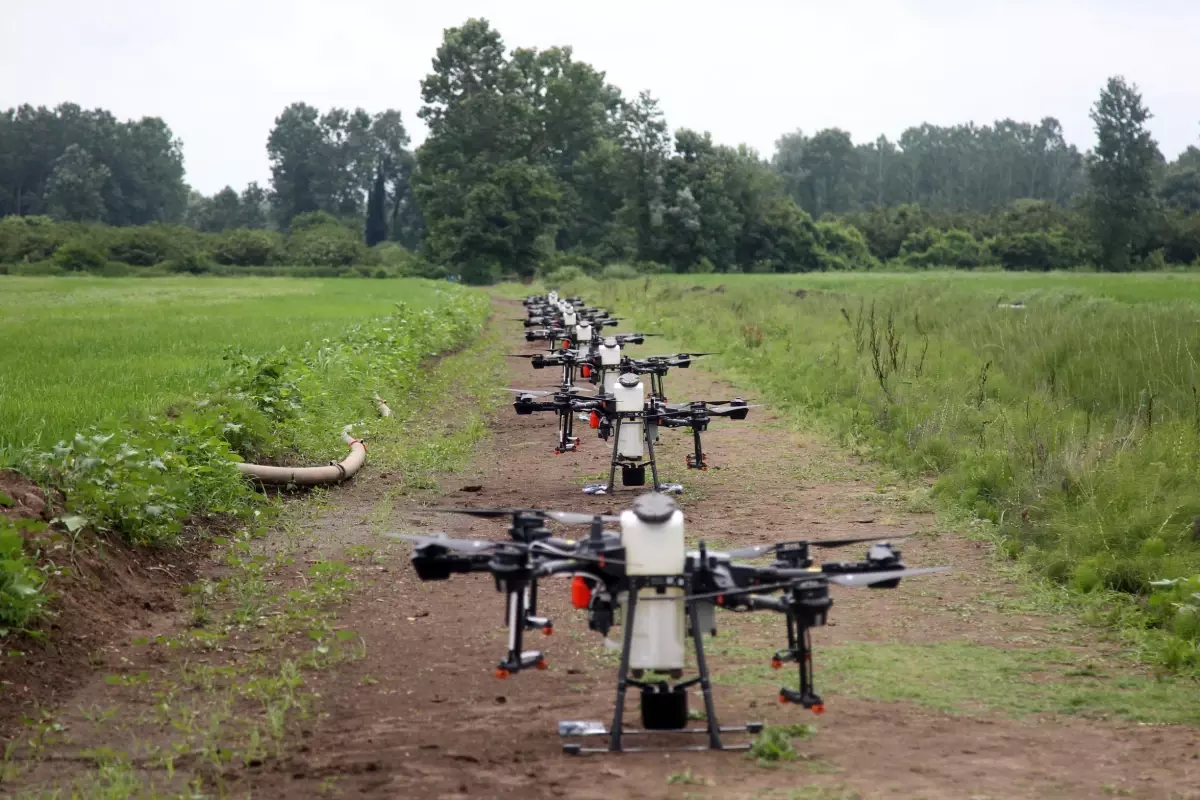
pixel 534 161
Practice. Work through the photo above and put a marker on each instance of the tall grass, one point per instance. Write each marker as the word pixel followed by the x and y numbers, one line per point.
pixel 1072 421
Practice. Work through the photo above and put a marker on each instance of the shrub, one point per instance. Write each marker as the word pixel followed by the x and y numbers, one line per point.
pixel 313 219
pixel 144 246
pixel 190 261
pixel 1041 250
pixel 557 261
pixel 246 247
pixel 563 276
pixel 326 246
pixel 80 257
pixel 618 272
pixel 29 238
pixel 842 246
pixel 952 248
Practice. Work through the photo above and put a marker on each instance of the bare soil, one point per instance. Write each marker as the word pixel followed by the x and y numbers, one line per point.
pixel 421 715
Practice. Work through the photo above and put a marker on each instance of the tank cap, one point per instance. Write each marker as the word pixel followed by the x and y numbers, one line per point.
pixel 629 380
pixel 611 341
pixel 654 509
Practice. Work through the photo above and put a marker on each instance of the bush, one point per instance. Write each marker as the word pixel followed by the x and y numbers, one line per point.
pixel 563 276
pixel 80 257
pixel 148 245
pixel 557 261
pixel 1041 250
pixel 952 248
pixel 326 246
pixel 843 247
pixel 29 239
pixel 313 219
pixel 618 272
pixel 192 261
pixel 247 247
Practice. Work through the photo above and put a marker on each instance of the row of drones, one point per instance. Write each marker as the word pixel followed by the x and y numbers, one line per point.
pixel 629 403
pixel 635 570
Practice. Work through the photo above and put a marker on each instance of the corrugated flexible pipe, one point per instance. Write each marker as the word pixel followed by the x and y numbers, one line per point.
pixel 335 472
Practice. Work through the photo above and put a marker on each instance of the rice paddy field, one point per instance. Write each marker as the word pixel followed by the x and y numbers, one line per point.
pixel 93 351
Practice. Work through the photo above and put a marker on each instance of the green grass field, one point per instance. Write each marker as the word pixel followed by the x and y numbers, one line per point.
pixel 1138 287
pixel 137 398
pixel 84 351
pixel 1071 424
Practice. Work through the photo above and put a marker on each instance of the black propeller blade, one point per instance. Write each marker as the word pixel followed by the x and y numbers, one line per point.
pixel 754 551
pixel 474 546
pixel 565 517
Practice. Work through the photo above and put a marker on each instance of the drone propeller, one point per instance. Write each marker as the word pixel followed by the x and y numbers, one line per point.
pixel 853 580
pixel 723 407
pixel 677 355
pixel 458 545
pixel 565 517
pixel 869 578
pixel 475 546
pixel 545 392
pixel 754 551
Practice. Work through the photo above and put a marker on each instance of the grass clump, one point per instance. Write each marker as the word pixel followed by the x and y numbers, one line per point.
pixel 774 743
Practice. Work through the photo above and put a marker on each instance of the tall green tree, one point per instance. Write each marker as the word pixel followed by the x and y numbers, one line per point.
pixel 74 190
pixel 487 199
pixel 376 228
pixel 1122 173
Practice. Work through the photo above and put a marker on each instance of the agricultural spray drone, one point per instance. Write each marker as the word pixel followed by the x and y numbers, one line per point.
pixel 643 577
pixel 622 409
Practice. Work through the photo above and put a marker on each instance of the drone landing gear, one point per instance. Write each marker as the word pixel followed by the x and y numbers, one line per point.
pixel 799 649
pixel 567 441
pixel 633 473
pixel 664 707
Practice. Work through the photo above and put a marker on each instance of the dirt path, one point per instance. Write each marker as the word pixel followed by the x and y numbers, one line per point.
pixel 977 694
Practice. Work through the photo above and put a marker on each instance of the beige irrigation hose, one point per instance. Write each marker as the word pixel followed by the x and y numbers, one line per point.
pixel 311 476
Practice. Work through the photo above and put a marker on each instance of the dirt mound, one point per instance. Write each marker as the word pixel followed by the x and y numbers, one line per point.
pixel 101 592
pixel 21 498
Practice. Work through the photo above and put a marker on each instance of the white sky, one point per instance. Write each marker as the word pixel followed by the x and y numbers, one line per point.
pixel 220 71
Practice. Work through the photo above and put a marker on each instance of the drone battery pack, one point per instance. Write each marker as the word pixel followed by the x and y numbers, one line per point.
pixel 664 708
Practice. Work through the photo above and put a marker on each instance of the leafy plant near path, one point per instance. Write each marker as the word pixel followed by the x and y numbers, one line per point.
pixel 144 482
pixel 21 599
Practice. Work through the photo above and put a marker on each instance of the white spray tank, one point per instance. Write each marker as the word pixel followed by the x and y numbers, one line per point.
pixel 652 535
pixel 569 317
pixel 630 395
pixel 583 334
pixel 610 364
pixel 552 297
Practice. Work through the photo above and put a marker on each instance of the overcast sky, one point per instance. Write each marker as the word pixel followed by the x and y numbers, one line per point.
pixel 219 71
